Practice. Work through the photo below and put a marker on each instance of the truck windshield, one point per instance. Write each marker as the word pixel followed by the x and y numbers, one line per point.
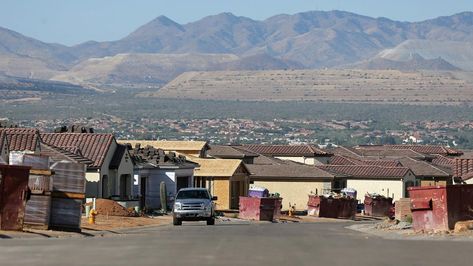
pixel 193 194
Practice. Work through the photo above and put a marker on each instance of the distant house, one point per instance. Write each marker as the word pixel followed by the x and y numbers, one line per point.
pixel 225 178
pixel 293 181
pixel 427 174
pixel 110 173
pixel 306 154
pixel 194 148
pixel 153 166
pixel 387 181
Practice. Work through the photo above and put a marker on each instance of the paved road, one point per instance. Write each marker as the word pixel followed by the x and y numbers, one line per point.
pixel 235 244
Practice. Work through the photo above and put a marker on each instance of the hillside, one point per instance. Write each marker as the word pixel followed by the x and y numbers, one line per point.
pixel 459 54
pixel 313 40
pixel 382 86
pixel 414 63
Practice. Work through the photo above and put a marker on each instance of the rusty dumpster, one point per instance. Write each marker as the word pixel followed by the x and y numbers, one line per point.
pixel 440 207
pixel 331 207
pixel 378 206
pixel 13 195
pixel 260 209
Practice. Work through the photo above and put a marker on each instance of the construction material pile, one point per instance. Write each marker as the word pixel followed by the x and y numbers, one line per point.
pixel 111 208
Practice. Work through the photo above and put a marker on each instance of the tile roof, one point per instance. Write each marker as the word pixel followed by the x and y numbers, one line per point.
pixel 93 146
pixel 443 161
pixel 385 153
pixel 367 171
pixel 57 154
pixel 463 168
pixel 22 139
pixel 344 160
pixel 425 149
pixel 150 157
pixel 210 167
pixel 421 168
pixel 230 152
pixel 288 171
pixel 168 145
pixel 286 150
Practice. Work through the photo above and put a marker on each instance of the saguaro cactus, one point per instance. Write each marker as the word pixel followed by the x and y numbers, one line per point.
pixel 163 196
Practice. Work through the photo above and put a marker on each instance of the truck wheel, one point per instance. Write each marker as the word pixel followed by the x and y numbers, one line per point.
pixel 176 221
pixel 211 221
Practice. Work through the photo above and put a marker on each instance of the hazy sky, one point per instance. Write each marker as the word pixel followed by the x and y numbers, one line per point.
pixel 75 21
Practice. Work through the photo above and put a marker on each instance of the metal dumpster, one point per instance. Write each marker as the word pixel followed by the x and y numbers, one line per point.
pixel 330 207
pixel 260 209
pixel 378 206
pixel 13 195
pixel 440 207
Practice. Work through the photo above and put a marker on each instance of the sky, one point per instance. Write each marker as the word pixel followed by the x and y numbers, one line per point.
pixel 72 22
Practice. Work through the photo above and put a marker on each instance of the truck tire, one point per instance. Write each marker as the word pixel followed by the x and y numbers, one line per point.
pixel 211 221
pixel 176 221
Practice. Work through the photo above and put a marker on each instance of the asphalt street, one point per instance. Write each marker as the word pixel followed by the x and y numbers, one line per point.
pixel 235 244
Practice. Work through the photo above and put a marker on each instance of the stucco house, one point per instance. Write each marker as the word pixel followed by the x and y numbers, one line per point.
pixel 110 173
pixel 306 154
pixel 153 166
pixel 293 181
pixel 225 178
pixel 387 181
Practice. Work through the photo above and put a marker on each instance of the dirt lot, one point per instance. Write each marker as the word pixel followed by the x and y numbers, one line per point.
pixel 104 222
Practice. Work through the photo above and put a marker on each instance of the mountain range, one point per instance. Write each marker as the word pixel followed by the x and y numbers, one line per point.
pixel 162 49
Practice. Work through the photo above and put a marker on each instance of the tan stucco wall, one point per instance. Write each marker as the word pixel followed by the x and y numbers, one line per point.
pixel 294 192
pixel 382 187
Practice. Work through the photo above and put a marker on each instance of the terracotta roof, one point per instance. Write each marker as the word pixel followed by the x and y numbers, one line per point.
pixel 385 153
pixel 210 167
pixel 443 161
pixel 367 171
pixel 288 172
pixel 286 150
pixel 421 168
pixel 166 145
pixel 22 139
pixel 425 149
pixel 230 152
pixel 344 160
pixel 150 157
pixel 93 146
pixel 57 154
pixel 463 168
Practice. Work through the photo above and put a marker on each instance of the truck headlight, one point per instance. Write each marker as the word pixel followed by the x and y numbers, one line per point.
pixel 177 206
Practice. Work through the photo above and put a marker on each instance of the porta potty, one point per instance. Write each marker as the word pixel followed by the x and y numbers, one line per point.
pixel 440 207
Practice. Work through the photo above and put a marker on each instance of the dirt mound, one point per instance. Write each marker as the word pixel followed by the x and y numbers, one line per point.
pixel 112 208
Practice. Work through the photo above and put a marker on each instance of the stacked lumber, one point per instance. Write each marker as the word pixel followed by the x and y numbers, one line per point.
pixel 67 195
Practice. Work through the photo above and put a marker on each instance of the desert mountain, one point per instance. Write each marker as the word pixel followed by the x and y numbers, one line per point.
pixel 414 63
pixel 315 39
pixel 457 53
